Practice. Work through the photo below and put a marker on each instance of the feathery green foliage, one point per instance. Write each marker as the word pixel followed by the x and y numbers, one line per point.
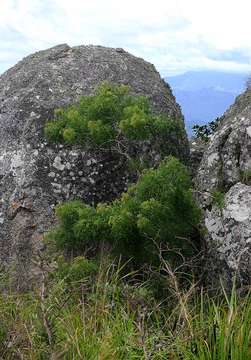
pixel 218 199
pixel 159 209
pixel 108 117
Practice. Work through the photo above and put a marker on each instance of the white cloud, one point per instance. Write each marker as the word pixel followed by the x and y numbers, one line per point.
pixel 174 35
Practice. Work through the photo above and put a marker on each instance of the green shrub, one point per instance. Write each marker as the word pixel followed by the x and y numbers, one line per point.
pixel 245 176
pixel 108 117
pixel 159 209
pixel 76 271
pixel 219 199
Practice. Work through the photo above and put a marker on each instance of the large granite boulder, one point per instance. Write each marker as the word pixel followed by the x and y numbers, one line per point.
pixel 35 176
pixel 224 190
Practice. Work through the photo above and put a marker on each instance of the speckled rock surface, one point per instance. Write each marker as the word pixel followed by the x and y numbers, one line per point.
pixel 226 167
pixel 229 237
pixel 35 176
pixel 197 149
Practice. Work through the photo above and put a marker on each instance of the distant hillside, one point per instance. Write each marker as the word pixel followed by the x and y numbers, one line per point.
pixel 204 95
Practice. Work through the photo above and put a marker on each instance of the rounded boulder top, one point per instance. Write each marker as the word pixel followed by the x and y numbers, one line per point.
pixel 48 79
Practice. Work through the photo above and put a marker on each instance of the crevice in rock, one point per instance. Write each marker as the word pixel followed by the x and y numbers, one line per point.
pixel 238 154
pixel 223 186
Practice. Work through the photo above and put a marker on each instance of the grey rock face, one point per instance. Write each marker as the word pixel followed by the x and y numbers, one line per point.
pixel 229 237
pixel 226 167
pixel 197 148
pixel 36 176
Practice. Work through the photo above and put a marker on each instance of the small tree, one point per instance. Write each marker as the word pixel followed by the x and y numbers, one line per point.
pixel 110 119
pixel 203 132
pixel 159 209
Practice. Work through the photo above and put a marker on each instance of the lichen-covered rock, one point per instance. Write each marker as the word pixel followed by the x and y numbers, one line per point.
pixel 36 176
pixel 226 168
pixel 197 148
pixel 229 237
pixel 228 155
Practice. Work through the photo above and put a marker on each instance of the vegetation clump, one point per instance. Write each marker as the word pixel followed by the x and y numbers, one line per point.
pixel 245 176
pixel 204 132
pixel 218 199
pixel 109 118
pixel 159 209
pixel 75 271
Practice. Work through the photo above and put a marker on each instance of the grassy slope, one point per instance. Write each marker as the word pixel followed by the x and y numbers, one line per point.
pixel 110 314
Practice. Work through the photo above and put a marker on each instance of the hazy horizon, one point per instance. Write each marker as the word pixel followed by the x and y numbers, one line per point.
pixel 205 95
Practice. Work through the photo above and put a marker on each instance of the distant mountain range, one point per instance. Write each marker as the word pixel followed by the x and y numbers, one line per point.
pixel 205 95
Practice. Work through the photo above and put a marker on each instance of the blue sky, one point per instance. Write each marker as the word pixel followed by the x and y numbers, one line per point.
pixel 175 35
